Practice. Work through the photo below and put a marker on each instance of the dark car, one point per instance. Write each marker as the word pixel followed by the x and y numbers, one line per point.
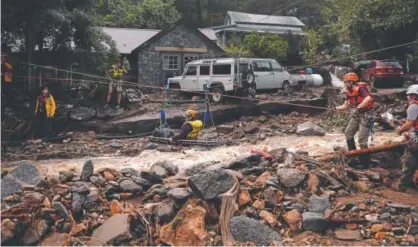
pixel 381 73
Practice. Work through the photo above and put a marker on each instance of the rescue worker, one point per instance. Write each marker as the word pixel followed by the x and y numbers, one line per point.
pixel 6 83
pixel 44 112
pixel 118 72
pixel 191 128
pixel 361 118
pixel 409 160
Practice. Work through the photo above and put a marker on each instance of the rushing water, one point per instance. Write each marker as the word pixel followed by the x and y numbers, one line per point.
pixel 315 145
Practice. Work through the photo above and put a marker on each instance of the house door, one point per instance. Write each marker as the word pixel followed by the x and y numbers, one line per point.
pixel 170 66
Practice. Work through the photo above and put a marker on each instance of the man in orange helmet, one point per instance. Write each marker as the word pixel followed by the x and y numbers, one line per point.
pixel 361 119
pixel 191 128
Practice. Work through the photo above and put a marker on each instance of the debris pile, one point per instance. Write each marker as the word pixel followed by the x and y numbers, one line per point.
pixel 258 199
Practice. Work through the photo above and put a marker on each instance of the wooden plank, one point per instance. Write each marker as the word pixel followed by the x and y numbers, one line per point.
pixel 181 49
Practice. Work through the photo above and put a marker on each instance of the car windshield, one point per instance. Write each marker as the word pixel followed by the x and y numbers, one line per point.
pixel 388 64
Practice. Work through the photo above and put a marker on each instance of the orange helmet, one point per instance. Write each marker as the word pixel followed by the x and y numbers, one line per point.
pixel 191 113
pixel 351 77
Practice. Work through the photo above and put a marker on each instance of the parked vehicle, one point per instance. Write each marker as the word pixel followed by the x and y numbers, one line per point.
pixel 380 73
pixel 231 75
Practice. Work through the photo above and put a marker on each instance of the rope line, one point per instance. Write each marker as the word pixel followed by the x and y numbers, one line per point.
pixel 232 96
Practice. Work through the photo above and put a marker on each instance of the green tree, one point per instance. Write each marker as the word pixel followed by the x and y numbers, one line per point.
pixel 258 45
pixel 151 14
pixel 55 25
pixel 265 45
pixel 311 44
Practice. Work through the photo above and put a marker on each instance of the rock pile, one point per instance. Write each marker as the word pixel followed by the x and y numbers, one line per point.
pixel 294 204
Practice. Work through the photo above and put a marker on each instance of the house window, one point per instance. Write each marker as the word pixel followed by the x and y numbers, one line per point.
pixel 189 58
pixel 171 62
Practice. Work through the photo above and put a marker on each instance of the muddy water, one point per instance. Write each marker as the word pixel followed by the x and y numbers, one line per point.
pixel 315 145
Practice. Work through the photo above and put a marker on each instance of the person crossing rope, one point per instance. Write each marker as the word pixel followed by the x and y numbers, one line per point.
pixel 191 128
pixel 117 71
pixel 361 118
pixel 409 160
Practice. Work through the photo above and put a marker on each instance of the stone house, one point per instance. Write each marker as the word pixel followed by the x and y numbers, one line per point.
pixel 156 55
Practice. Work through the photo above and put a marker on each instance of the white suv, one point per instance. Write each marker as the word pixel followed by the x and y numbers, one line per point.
pixel 231 74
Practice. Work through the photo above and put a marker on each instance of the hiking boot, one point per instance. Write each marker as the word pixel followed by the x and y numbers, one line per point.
pixel 118 107
pixel 351 144
pixel 106 106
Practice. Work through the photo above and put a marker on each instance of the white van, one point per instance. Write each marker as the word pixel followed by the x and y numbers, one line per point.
pixel 231 74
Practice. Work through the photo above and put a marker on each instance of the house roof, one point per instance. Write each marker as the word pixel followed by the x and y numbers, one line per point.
pixel 127 39
pixel 188 25
pixel 244 28
pixel 239 17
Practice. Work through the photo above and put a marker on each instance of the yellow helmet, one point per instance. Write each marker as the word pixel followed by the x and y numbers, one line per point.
pixel 191 113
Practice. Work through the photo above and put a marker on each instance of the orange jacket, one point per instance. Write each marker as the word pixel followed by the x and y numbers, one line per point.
pixel 8 73
pixel 354 97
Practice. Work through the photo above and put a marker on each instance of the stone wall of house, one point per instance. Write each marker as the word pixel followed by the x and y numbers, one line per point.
pixel 150 62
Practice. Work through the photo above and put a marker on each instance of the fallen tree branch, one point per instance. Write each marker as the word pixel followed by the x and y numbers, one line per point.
pixel 370 150
pixel 228 208
pixel 330 179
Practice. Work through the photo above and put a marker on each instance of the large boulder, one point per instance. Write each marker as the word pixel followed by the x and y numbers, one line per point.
pixel 35 232
pixel 245 229
pixel 290 177
pixel 27 174
pixel 23 175
pixel 210 184
pixel 130 186
pixel 247 160
pixel 9 186
pixel 88 170
pixel 186 229
pixel 318 204
pixel 113 231
pixel 310 129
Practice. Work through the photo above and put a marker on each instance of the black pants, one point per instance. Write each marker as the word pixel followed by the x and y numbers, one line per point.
pixel 42 126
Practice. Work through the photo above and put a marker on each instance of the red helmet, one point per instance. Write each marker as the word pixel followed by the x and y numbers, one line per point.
pixel 351 77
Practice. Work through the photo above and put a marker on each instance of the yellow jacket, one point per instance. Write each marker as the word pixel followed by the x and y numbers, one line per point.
pixel 197 126
pixel 49 106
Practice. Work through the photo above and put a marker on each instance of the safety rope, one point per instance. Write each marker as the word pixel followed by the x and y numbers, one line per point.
pixel 232 96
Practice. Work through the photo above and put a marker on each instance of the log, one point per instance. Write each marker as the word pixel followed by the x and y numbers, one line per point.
pixel 370 150
pixel 228 207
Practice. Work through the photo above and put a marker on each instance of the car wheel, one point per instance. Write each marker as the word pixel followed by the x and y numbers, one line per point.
pixel 286 87
pixel 250 78
pixel 216 95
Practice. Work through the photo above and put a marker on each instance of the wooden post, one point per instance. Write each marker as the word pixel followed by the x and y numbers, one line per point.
pixel 370 150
